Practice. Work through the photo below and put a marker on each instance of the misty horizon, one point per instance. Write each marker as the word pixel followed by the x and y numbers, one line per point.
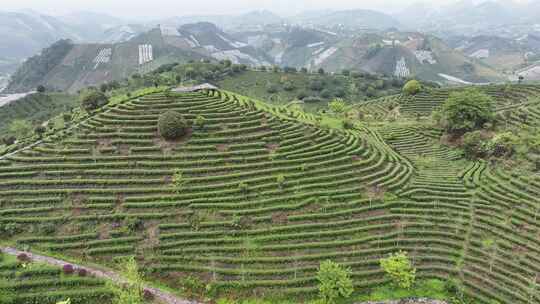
pixel 168 8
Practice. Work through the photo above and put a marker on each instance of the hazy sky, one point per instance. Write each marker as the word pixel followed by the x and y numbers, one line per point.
pixel 163 8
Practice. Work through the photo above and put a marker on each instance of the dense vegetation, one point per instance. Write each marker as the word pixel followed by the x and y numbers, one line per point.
pixel 35 68
pixel 314 90
pixel 34 109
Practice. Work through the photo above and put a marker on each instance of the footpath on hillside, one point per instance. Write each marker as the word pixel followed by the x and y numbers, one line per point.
pixel 160 295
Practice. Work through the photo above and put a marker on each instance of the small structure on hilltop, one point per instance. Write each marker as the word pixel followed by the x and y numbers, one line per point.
pixel 204 86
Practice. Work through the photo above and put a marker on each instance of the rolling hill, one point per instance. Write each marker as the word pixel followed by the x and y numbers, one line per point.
pixel 255 197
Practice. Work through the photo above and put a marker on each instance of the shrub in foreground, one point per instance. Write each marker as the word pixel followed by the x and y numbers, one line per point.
pixel 172 125
pixel 334 282
pixel 68 269
pixel 399 269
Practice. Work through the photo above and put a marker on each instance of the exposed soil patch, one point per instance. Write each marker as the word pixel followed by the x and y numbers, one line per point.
pixel 222 148
pixel 280 218
pixel 167 146
pixel 123 150
pixel 272 147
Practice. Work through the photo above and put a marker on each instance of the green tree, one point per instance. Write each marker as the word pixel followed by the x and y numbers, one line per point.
pixel 467 110
pixel 399 269
pixel 20 128
pixel 334 282
pixel 92 100
pixel 271 88
pixel 326 93
pixel 41 89
pixel 412 87
pixel 40 131
pixel 172 125
pixel 337 106
pixel 316 85
pixel 132 291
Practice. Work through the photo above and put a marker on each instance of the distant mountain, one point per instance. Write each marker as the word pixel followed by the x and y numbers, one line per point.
pixel 25 33
pixel 404 54
pixel 313 46
pixel 503 53
pixel 351 19
pixel 472 18
pixel 90 25
pixel 72 66
pixel 247 21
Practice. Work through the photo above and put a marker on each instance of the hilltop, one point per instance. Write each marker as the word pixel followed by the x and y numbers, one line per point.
pixel 253 197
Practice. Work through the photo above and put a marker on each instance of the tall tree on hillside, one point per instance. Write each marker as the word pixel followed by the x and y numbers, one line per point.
pixel 466 111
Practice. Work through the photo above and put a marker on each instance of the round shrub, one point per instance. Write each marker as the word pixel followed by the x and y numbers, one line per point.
pixel 68 269
pixel 412 87
pixel 93 100
pixel 172 125
pixel 148 295
pixel 23 257
pixel 82 272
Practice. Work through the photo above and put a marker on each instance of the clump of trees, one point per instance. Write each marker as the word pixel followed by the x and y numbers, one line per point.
pixel 412 87
pixel 466 111
pixel 172 125
pixel 92 100
pixel 334 282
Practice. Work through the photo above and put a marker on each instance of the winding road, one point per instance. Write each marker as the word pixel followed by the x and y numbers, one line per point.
pixel 160 295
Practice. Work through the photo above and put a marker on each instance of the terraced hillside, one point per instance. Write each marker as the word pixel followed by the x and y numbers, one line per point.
pixel 478 222
pixel 254 199
pixel 36 283
pixel 423 103
pixel 228 203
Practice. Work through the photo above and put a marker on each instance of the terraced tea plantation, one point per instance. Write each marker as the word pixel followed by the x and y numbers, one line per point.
pixel 253 200
pixel 423 103
pixel 27 282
